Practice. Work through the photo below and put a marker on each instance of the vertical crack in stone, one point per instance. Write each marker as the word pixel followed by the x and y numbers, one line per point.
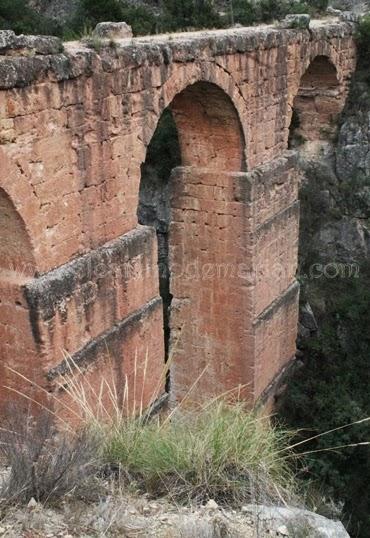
pixel 154 210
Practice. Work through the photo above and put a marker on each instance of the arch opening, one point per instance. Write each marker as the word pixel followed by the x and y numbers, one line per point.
pixel 185 191
pixel 210 133
pixel 317 104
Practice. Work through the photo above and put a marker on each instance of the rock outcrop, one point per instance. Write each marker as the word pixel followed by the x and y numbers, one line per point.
pixel 356 6
pixel 339 177
pixel 61 10
pixel 131 517
pixel 292 522
pixel 353 147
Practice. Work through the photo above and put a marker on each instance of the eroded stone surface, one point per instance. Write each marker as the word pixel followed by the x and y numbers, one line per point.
pixel 288 521
pixel 121 515
pixel 11 44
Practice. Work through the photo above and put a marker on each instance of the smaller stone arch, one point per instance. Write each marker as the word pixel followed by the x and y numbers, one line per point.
pixel 209 127
pixel 184 77
pixel 317 103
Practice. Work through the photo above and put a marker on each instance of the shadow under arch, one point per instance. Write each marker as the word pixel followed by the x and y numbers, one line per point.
pixel 16 251
pixel 17 267
pixel 186 194
pixel 317 104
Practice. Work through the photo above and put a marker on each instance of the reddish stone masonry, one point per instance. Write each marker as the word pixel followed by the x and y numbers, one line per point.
pixel 77 272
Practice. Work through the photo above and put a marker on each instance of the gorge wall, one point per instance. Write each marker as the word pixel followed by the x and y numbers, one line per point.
pixel 79 282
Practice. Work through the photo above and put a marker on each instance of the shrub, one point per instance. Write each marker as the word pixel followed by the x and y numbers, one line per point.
pixel 98 11
pixel 91 12
pixel 245 12
pixel 270 10
pixel 171 15
pixel 218 451
pixel 44 464
pixel 18 16
pixel 141 19
pixel 180 15
pixel 363 40
pixel 330 390
pixel 318 5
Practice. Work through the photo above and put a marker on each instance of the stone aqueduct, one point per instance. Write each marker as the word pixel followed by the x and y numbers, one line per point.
pixel 79 275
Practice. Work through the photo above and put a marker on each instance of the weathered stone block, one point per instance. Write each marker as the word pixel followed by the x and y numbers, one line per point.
pixel 87 296
pixel 113 30
pixel 128 358
pixel 39 44
pixel 7 39
pixel 25 44
pixel 301 22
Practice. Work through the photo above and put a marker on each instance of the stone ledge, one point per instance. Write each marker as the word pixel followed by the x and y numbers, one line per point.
pixel 98 346
pixel 285 298
pixel 45 293
pixel 270 173
pixel 11 44
pixel 267 174
pixel 77 59
pixel 287 212
pixel 267 398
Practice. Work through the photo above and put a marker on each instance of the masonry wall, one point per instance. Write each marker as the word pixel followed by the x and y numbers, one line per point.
pixel 211 264
pixel 74 130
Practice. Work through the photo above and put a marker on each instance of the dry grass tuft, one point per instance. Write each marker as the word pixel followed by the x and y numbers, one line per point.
pixel 44 464
pixel 219 451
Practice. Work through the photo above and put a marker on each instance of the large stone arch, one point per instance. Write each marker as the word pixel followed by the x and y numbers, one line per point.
pixel 72 144
pixel 207 241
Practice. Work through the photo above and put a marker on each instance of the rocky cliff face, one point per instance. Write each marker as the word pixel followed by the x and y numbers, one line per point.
pixel 65 9
pixel 353 148
pixel 336 187
pixel 358 6
pixel 56 9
